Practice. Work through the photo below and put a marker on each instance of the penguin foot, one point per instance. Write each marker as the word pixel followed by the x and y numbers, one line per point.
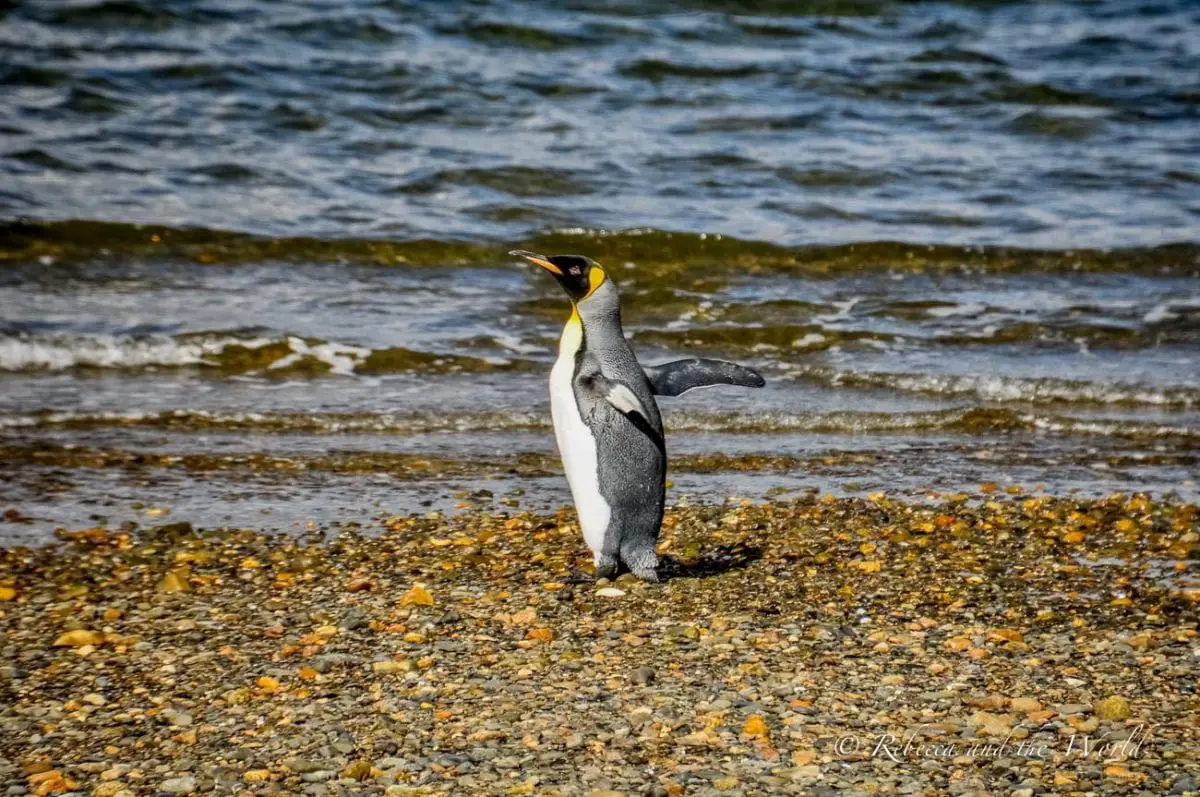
pixel 607 567
pixel 642 561
pixel 649 575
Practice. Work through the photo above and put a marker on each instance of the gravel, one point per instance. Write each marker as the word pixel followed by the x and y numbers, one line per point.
pixel 966 644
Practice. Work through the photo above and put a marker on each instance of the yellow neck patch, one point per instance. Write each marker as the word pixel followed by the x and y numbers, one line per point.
pixel 572 334
pixel 596 277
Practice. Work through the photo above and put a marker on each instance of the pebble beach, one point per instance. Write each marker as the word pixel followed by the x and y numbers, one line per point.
pixel 986 643
pixel 281 507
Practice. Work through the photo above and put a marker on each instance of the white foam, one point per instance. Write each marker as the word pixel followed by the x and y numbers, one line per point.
pixel 844 309
pixel 409 423
pixel 515 344
pixel 1109 428
pixel 1005 388
pixel 956 310
pixel 1159 313
pixel 63 351
pixel 810 339
pixel 58 352
pixel 341 358
pixel 999 388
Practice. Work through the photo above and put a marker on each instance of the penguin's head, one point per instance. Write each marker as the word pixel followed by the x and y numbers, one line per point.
pixel 579 276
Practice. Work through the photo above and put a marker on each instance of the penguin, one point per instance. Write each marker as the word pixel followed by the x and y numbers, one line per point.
pixel 607 423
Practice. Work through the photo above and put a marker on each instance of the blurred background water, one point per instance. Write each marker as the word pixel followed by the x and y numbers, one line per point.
pixel 252 261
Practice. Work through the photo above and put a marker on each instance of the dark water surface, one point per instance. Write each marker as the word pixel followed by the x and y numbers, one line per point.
pixel 252 256
pixel 1068 124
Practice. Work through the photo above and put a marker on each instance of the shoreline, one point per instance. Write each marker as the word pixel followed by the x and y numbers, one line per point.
pixel 976 643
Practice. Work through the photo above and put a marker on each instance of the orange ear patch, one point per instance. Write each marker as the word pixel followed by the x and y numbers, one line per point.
pixel 596 278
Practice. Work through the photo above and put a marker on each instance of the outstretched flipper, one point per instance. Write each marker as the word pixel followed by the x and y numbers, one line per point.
pixel 676 378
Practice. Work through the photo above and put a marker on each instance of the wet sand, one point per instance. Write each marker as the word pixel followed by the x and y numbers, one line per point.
pixel 965 644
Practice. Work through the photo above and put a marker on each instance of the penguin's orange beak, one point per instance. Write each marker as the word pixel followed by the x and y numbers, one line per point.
pixel 537 260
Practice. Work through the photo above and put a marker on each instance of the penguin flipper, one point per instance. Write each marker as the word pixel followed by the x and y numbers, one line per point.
pixel 677 378
pixel 624 399
pixel 618 394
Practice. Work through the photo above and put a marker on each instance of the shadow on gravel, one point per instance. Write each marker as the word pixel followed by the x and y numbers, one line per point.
pixel 719 560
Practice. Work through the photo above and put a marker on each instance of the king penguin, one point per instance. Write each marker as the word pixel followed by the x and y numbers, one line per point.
pixel 607 423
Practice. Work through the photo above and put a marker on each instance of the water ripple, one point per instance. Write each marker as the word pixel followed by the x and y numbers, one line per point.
pixel 909 109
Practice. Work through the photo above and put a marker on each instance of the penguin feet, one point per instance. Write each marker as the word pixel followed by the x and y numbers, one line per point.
pixel 642 562
pixel 649 575
pixel 607 567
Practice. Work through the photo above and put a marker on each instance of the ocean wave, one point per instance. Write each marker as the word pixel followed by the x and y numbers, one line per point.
pixel 1007 389
pixel 228 355
pixel 60 352
pixel 960 421
pixel 659 252
pixel 188 420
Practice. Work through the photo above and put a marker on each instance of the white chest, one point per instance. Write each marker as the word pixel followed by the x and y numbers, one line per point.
pixel 576 444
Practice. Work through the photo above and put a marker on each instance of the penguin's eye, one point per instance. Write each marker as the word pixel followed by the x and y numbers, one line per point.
pixel 574 271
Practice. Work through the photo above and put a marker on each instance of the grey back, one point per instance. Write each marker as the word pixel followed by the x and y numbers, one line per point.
pixel 604 337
